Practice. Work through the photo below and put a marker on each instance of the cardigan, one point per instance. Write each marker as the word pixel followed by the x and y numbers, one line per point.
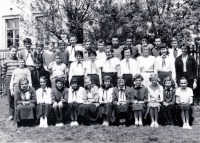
pixel 92 94
pixel 142 95
pixel 171 98
pixel 128 94
pixel 56 95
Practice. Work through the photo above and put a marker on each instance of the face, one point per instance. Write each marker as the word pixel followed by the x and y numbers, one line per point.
pixel 154 81
pixel 157 42
pixel 163 51
pixel 51 47
pixel 74 85
pixel 88 83
pixel 59 85
pixel 21 63
pixel 24 85
pixel 78 58
pixel 108 53
pixel 138 82
pixel 145 51
pixel 144 41
pixel 129 42
pixel 100 46
pixel 184 50
pixel 174 44
pixel 72 40
pixel 13 52
pixel 127 54
pixel 39 48
pixel 27 46
pixel 168 84
pixel 43 83
pixel 107 83
pixel 183 83
pixel 87 45
pixel 92 57
pixel 37 65
pixel 121 83
pixel 61 46
pixel 115 41
pixel 58 59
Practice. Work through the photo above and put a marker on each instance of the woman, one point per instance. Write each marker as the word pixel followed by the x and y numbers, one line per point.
pixel 25 103
pixel 89 108
pixel 139 99
pixel 155 97
pixel 146 65
pixel 186 66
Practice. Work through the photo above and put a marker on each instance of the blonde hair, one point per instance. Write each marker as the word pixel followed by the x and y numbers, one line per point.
pixel 154 76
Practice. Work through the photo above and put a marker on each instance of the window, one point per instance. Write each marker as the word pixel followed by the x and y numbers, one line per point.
pixel 12 32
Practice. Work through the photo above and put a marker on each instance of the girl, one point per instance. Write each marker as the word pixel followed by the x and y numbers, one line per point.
pixel 93 67
pixel 59 96
pixel 57 69
pixel 139 99
pixel 89 108
pixel 121 100
pixel 165 65
pixel 43 96
pixel 111 66
pixel 74 100
pixel 155 97
pixel 18 73
pixel 25 103
pixel 168 100
pixel 146 65
pixel 37 72
pixel 186 66
pixel 105 99
pixel 77 68
pixel 128 66
pixel 184 99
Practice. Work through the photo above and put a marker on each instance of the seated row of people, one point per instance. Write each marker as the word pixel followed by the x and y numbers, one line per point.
pixel 112 104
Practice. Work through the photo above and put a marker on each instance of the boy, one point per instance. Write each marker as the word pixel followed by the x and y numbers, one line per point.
pixel 130 43
pixel 175 51
pixel 87 47
pixel 8 66
pixel 27 53
pixel 101 50
pixel 117 49
pixel 39 51
pixel 156 50
pixel 184 99
pixel 48 55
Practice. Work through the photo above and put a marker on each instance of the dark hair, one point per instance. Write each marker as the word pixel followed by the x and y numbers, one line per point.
pixel 124 49
pixel 115 36
pixel 92 51
pixel 44 78
pixel 57 54
pixel 72 35
pixel 13 47
pixel 138 76
pixel 61 42
pixel 78 52
pixel 168 78
pixel 27 40
pixel 107 78
pixel 182 78
pixel 187 46
pixel 74 79
pixel 174 39
pixel 101 41
pixel 162 47
pixel 37 60
pixel 39 43
pixel 48 43
pixel 121 78
pixel 109 48
pixel 60 79
pixel 129 37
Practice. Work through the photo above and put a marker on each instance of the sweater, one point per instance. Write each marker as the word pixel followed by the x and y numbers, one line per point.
pixel 9 65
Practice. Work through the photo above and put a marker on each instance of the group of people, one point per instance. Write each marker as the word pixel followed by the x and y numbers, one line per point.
pixel 109 82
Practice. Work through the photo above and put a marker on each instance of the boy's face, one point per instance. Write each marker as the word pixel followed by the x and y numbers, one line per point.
pixel 58 59
pixel 163 51
pixel 51 47
pixel 144 41
pixel 120 83
pixel 138 82
pixel 24 85
pixel 13 52
pixel 72 40
pixel 115 41
pixel 59 85
pixel 92 57
pixel 168 84
pixel 43 83
pixel 183 83
pixel 88 83
pixel 21 63
pixel 78 58
pixel 127 54
pixel 129 41
pixel 87 45
pixel 108 53
pixel 74 85
pixel 39 48
pixel 37 65
pixel 61 46
pixel 157 41
pixel 27 46
pixel 145 51
pixel 107 83
pixel 100 46
pixel 174 44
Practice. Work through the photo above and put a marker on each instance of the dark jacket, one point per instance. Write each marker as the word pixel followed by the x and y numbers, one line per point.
pixel 140 94
pixel 57 96
pixel 191 67
pixel 128 94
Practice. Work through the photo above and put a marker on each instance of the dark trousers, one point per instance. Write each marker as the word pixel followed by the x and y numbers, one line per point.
pixel 11 106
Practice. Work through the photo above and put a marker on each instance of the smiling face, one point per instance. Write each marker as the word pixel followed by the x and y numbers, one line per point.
pixel 24 85
pixel 168 84
pixel 21 63
pixel 145 51
pixel 163 51
pixel 184 50
pixel 154 81
pixel 100 46
pixel 58 59
pixel 108 53
pixel 13 52
pixel 43 83
pixel 92 57
pixel 72 41
pixel 78 57
pixel 183 83
pixel 127 53
pixel 121 83
pixel 138 82
pixel 59 85
pixel 27 46
pixel 88 83
pixel 107 83
pixel 129 41
pixel 74 85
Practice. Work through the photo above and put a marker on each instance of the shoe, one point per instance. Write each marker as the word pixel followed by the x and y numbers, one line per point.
pixel 57 124
pixel 156 124
pixel 61 124
pixel 104 123
pixel 140 123
pixel 76 123
pixel 188 126
pixel 72 123
pixel 10 118
pixel 152 124
pixel 45 125
pixel 184 126
pixel 41 122
pixel 136 122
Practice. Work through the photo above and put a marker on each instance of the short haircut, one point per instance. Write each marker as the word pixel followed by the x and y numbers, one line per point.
pixel 168 78
pixel 22 80
pixel 87 40
pixel 105 78
pixel 129 37
pixel 101 41
pixel 37 60
pixel 73 80
pixel 27 40
pixel 174 39
pixel 78 52
pixel 185 45
pixel 44 78
pixel 57 54
pixel 121 78
pixel 183 78
pixel 153 76
pixel 109 48
pixel 13 47
pixel 115 36
pixel 48 43
pixel 72 35
pixel 60 79
pixel 39 43
pixel 138 76
pixel 21 59
pixel 92 51
pixel 162 47
pixel 61 42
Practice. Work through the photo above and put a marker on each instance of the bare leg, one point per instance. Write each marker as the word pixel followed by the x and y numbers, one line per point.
pixel 151 111
pixel 136 117
pixel 183 116
pixel 156 114
pixel 140 117
pixel 187 116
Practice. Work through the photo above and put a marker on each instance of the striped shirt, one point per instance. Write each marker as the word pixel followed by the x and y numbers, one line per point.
pixel 9 65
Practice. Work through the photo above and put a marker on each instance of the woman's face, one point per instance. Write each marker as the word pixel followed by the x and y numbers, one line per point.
pixel 107 83
pixel 43 83
pixel 21 63
pixel 138 82
pixel 78 58
pixel 24 85
pixel 168 84
pixel 145 51
pixel 184 50
pixel 127 54
pixel 154 81
pixel 174 44
pixel 37 65
pixel 88 83
pixel 163 51
pixel 108 53
pixel 27 46
pixel 92 57
pixel 74 85
pixel 59 85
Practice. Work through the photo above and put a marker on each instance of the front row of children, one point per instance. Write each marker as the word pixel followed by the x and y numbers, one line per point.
pixel 112 104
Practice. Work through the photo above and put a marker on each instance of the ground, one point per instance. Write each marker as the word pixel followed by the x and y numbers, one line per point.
pixel 95 133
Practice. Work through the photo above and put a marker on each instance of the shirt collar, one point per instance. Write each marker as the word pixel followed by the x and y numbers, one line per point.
pixel 122 88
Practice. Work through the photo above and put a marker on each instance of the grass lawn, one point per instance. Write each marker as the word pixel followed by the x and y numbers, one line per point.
pixel 95 133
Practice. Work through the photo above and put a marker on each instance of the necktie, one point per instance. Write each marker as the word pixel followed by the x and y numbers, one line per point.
pixel 43 91
pixel 108 60
pixel 175 52
pixel 121 95
pixel 163 61
pixel 128 64
pixel 37 75
pixel 73 49
pixel 29 53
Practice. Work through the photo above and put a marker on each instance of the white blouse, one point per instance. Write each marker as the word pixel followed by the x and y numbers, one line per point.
pixel 76 69
pixel 155 94
pixel 101 55
pixel 43 96
pixel 110 65
pixel 128 66
pixel 105 95
pixel 93 68
pixel 146 64
pixel 76 95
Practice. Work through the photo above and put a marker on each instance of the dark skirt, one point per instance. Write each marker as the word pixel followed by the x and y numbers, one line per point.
pixel 184 106
pixel 43 109
pixel 122 108
pixel 170 107
pixel 113 75
pixel 129 79
pixel 139 106
pixel 95 78
pixel 25 112
pixel 89 111
pixel 80 79
pixel 163 75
